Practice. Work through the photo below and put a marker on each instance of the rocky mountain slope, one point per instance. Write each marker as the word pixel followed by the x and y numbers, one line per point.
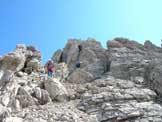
pixel 119 84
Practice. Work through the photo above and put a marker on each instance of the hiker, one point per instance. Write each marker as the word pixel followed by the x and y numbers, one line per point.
pixel 50 67
pixel 77 65
pixel 80 48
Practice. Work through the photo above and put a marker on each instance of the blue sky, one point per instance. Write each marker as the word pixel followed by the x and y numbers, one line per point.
pixel 48 24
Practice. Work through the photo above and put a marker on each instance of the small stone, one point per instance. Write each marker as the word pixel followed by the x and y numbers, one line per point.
pixel 20 74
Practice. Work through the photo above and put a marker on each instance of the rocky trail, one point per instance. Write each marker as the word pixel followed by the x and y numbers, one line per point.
pixel 119 84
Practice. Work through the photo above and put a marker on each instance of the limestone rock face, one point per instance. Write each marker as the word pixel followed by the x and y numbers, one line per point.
pixel 57 56
pixel 150 46
pixel 130 58
pixel 90 54
pixel 120 100
pixel 124 42
pixel 153 76
pixel 55 89
pixel 114 44
pixel 118 84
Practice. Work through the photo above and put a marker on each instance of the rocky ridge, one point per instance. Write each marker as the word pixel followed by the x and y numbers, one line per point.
pixel 119 84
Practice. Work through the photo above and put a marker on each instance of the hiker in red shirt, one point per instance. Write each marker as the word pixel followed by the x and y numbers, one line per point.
pixel 50 67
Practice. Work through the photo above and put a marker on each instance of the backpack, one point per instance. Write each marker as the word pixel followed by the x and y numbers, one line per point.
pixel 50 66
pixel 80 47
pixel 78 64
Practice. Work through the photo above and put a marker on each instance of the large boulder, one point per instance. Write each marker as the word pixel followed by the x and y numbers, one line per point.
pixel 34 64
pixel 55 89
pixel 25 98
pixel 5 76
pixel 32 52
pixel 80 76
pixel 42 95
pixel 32 58
pixel 13 62
pixel 8 87
pixel 22 58
pixel 21 47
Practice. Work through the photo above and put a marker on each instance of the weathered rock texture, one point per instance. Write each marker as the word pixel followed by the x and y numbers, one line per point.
pixel 130 58
pixel 93 57
pixel 119 101
pixel 153 77
pixel 118 84
pixel 55 89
